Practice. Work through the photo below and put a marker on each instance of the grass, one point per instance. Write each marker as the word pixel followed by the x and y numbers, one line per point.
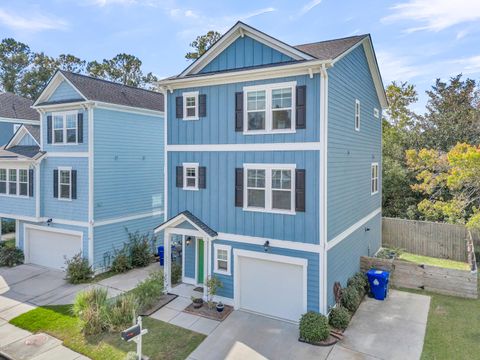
pixel 163 341
pixel 10 243
pixel 420 259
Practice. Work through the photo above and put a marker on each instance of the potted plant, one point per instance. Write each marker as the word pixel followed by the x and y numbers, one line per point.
pixel 220 306
pixel 197 302
pixel 213 284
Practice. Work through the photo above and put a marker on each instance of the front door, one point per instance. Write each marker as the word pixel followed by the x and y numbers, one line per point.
pixel 200 261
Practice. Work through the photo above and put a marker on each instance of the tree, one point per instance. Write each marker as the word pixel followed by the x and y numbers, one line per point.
pixel 15 58
pixel 202 43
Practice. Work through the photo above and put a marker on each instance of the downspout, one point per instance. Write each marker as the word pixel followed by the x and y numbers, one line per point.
pixel 90 184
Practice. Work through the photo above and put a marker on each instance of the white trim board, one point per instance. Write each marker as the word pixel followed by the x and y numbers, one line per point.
pixel 299 146
pixel 20 121
pixel 73 154
pixel 127 218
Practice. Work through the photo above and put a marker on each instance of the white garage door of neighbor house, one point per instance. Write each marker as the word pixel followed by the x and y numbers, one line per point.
pixel 271 288
pixel 48 248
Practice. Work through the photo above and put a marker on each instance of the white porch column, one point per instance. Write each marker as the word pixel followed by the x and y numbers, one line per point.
pixel 0 229
pixel 167 261
pixel 206 262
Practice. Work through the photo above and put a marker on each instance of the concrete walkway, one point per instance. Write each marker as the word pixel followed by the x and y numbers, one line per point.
pixel 9 236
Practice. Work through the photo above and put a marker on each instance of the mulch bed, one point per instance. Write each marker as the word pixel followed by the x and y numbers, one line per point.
pixel 331 340
pixel 212 314
pixel 162 301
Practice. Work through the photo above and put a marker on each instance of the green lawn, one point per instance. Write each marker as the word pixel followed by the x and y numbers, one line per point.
pixel 163 341
pixel 419 259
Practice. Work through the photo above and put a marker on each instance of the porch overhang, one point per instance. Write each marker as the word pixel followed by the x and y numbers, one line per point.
pixel 187 216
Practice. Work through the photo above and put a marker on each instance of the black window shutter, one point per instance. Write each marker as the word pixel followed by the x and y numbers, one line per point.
pixel 300 190
pixel 179 107
pixel 55 183
pixel 74 184
pixel 239 187
pixel 49 129
pixel 202 177
pixel 80 128
pixel 202 105
pixel 239 111
pixel 30 183
pixel 301 101
pixel 180 176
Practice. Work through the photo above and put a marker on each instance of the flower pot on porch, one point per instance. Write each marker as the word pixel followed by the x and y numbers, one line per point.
pixel 220 307
pixel 197 303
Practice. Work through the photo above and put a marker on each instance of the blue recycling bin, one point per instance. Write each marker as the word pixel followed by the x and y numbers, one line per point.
pixel 378 280
pixel 161 254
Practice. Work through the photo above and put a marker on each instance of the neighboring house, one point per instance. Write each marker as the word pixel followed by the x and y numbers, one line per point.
pixel 93 168
pixel 15 111
pixel 274 169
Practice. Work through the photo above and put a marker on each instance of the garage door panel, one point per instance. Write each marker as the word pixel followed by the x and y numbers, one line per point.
pixel 272 288
pixel 48 248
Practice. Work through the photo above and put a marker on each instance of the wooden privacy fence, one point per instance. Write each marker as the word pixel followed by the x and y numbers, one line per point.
pixel 404 274
pixel 446 241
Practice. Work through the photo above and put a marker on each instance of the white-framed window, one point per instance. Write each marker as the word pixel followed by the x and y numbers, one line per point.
pixel 65 128
pixel 376 113
pixel 357 115
pixel 190 176
pixel 16 127
pixel 269 108
pixel 222 259
pixel 374 178
pixel 14 182
pixel 190 105
pixel 65 183
pixel 269 188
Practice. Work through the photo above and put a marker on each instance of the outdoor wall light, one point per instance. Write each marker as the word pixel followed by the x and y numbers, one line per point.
pixel 367 229
pixel 49 221
pixel 188 241
pixel 266 246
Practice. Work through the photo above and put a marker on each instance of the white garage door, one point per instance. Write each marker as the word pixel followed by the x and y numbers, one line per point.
pixel 48 248
pixel 271 287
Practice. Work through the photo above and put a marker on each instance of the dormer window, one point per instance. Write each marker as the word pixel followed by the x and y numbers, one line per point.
pixel 190 106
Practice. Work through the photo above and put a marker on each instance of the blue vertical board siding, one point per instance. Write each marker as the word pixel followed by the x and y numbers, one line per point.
pixel 6 132
pixel 350 152
pixel 218 127
pixel 313 270
pixel 128 165
pixel 245 52
pixel 190 260
pixel 216 207
pixel 27 140
pixel 64 92
pixel 107 238
pixel 76 209
pixel 83 147
pixel 343 260
pixel 84 230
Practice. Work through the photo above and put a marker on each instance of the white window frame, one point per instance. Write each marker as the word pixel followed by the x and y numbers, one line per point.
pixel 374 179
pixel 268 187
pixel 185 96
pixel 376 113
pixel 268 88
pixel 358 111
pixel 16 127
pixel 60 169
pixel 228 249
pixel 64 115
pixel 194 166
pixel 17 181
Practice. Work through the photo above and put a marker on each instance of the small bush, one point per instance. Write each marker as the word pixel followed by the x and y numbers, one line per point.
pixel 91 307
pixel 176 273
pixel 78 270
pixel 10 255
pixel 149 291
pixel 314 327
pixel 350 298
pixel 339 317
pixel 131 355
pixel 121 262
pixel 8 226
pixel 140 249
pixel 360 282
pixel 122 312
pixel 389 253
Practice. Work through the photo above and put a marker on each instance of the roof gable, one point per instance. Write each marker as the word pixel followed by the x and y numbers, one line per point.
pixel 186 220
pixel 26 135
pixel 64 92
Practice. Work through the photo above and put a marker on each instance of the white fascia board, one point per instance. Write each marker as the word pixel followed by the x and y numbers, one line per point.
pixel 19 136
pixel 52 85
pixel 20 121
pixel 124 108
pixel 300 146
pixel 63 107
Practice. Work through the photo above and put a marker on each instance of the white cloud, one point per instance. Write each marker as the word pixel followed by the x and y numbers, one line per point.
pixel 103 3
pixel 467 66
pixel 308 6
pixel 31 22
pixel 435 15
pixel 395 68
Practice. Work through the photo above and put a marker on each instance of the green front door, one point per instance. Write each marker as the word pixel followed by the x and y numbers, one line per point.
pixel 200 261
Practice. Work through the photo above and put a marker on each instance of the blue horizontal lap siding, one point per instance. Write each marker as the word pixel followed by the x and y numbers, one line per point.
pixel 6 132
pixel 313 270
pixel 17 205
pixel 64 92
pixel 245 52
pixel 83 147
pixel 343 260
pixel 218 127
pixel 128 165
pixel 76 209
pixel 350 153
pixel 215 205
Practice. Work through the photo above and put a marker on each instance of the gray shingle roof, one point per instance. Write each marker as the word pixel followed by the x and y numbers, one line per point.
pixel 199 223
pixel 330 49
pixel 17 152
pixel 34 130
pixel 113 93
pixel 13 106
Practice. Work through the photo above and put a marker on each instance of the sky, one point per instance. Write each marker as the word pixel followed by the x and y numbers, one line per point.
pixel 415 40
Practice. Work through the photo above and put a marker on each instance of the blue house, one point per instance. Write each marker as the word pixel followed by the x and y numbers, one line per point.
pixel 14 112
pixel 92 169
pixel 273 158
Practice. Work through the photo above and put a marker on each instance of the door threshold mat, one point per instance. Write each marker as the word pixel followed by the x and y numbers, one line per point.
pixel 199 289
pixel 164 300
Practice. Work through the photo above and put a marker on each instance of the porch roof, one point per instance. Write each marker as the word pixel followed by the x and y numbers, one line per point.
pixel 190 218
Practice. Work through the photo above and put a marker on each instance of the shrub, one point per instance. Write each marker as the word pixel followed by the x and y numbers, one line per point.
pixel 8 226
pixel 213 284
pixel 78 270
pixel 339 317
pixel 360 282
pixel 91 307
pixel 314 327
pixel 10 255
pixel 140 249
pixel 121 261
pixel 350 298
pixel 149 291
pixel 122 312
pixel 176 273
